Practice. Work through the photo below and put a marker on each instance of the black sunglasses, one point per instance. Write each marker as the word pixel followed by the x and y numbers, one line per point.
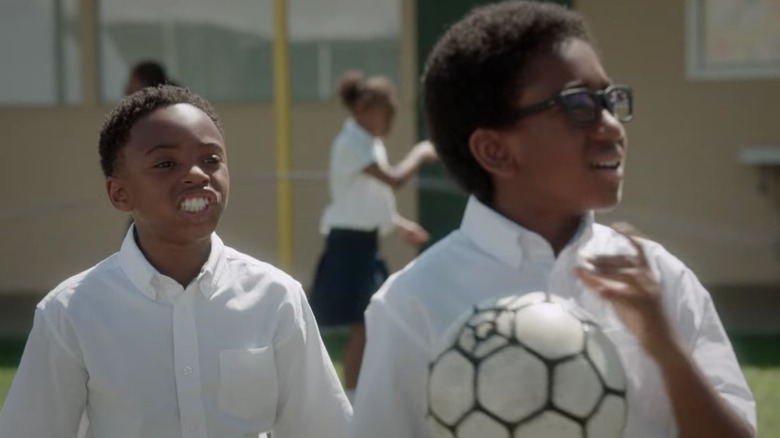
pixel 584 106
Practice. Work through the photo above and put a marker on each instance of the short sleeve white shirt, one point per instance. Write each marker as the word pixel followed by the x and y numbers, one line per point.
pixel 358 201
pixel 491 257
pixel 234 354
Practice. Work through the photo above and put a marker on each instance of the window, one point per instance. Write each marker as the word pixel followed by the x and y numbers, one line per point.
pixel 327 38
pixel 40 52
pixel 732 40
pixel 224 50
pixel 221 50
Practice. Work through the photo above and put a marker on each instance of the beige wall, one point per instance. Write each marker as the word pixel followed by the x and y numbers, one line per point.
pixel 685 186
pixel 55 219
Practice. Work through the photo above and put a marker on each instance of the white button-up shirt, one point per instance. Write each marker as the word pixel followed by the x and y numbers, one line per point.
pixel 490 257
pixel 234 354
pixel 358 200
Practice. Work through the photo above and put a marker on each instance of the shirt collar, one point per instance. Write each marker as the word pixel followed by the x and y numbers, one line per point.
pixel 354 129
pixel 510 242
pixel 143 275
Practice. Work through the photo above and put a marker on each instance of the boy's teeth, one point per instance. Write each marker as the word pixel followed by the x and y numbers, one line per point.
pixel 606 165
pixel 194 204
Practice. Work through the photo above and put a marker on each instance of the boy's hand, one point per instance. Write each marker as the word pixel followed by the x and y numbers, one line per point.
pixel 628 283
pixel 411 232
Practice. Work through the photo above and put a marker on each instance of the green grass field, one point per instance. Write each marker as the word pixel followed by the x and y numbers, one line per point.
pixel 760 359
pixel 759 356
pixel 10 353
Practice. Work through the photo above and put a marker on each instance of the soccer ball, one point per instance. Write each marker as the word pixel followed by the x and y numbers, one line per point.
pixel 526 367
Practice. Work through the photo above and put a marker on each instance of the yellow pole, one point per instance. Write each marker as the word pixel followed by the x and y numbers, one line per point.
pixel 283 134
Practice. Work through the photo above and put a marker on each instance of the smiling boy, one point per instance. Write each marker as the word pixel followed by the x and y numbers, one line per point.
pixel 525 118
pixel 176 335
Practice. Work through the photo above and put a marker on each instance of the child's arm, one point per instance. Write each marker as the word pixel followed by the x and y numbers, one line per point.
pixel 410 231
pixel 49 391
pixel 700 408
pixel 312 403
pixel 391 397
pixel 396 176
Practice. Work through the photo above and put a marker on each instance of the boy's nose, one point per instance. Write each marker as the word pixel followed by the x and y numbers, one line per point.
pixel 608 127
pixel 196 175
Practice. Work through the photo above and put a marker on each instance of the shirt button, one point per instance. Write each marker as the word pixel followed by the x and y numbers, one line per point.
pixel 188 371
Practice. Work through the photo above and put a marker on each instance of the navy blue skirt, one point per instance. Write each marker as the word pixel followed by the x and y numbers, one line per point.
pixel 349 272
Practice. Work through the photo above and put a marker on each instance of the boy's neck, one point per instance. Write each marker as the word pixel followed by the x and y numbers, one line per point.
pixel 556 228
pixel 182 262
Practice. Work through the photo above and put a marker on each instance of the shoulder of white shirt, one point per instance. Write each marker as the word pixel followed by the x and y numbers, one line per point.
pixel 236 263
pixel 606 238
pixel 603 238
pixel 235 259
pixel 62 292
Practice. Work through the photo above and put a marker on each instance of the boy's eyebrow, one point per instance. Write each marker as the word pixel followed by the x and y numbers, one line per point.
pixel 577 83
pixel 158 147
pixel 211 145
pixel 166 146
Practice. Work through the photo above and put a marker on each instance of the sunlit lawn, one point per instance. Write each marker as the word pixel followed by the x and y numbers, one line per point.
pixel 10 352
pixel 759 356
pixel 760 359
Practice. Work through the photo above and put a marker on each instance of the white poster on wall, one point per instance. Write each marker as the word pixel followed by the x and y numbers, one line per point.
pixel 733 39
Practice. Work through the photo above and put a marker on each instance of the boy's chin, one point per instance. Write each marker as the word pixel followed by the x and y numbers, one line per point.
pixel 202 231
pixel 605 209
pixel 609 202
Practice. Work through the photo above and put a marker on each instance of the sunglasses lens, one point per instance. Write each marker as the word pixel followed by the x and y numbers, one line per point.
pixel 619 101
pixel 582 107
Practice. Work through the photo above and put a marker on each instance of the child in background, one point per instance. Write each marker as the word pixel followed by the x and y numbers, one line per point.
pixel 362 208
pixel 147 74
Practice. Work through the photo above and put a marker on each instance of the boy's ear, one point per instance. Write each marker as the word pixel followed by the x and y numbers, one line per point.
pixel 492 153
pixel 117 194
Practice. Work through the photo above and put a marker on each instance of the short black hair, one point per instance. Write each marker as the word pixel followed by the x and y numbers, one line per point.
pixel 151 73
pixel 355 89
pixel 115 132
pixel 476 71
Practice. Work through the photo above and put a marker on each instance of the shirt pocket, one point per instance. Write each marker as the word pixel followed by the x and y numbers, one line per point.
pixel 248 384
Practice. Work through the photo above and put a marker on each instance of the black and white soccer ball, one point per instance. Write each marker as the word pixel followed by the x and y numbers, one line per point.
pixel 526 367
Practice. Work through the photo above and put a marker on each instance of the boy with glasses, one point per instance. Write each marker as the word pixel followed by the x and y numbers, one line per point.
pixel 526 120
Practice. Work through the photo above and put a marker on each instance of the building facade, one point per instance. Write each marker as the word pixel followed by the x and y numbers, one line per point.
pixel 67 60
